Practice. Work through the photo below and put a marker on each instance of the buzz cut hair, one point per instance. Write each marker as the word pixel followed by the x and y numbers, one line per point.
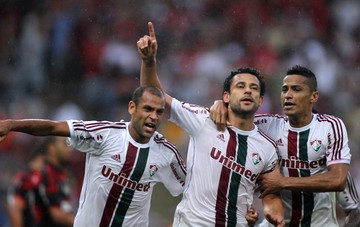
pixel 139 91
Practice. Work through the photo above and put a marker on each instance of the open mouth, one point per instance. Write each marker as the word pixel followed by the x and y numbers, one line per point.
pixel 249 100
pixel 150 126
pixel 288 105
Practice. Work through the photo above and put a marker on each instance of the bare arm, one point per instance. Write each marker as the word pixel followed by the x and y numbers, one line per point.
pixel 333 180
pixel 147 49
pixel 273 209
pixel 15 210
pixel 35 127
pixel 60 217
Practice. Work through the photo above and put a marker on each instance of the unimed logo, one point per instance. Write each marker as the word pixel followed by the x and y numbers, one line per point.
pixel 122 180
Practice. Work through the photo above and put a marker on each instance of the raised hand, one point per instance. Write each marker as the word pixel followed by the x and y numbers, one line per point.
pixel 147 45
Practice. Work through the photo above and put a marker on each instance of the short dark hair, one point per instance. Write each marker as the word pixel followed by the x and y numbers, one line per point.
pixel 305 72
pixel 139 91
pixel 252 71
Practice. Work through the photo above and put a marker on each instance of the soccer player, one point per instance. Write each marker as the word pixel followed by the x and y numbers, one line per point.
pixel 222 166
pixel 314 152
pixel 124 160
pixel 40 195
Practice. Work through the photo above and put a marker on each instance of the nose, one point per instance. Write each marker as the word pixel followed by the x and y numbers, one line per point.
pixel 154 116
pixel 248 89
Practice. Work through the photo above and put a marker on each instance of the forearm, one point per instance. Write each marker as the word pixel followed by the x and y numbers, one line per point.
pixel 148 74
pixel 60 217
pixel 15 212
pixel 333 180
pixel 39 127
pixel 273 208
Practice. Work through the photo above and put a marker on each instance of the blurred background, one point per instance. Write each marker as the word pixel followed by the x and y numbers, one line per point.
pixel 77 59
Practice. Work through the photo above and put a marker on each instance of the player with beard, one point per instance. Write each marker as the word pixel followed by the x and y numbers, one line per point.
pixel 314 151
pixel 222 167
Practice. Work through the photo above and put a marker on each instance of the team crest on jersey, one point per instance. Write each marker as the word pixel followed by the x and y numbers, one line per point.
pixel 316 144
pixel 256 158
pixel 153 169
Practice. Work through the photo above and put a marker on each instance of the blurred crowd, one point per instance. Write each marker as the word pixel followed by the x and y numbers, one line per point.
pixel 78 60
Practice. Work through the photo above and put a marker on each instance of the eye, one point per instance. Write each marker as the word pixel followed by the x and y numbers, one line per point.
pixel 254 87
pixel 160 112
pixel 240 85
pixel 148 108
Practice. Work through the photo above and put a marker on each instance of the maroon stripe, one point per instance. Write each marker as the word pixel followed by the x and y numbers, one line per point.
pixel 338 134
pixel 116 189
pixel 99 128
pixel 87 126
pixel 296 196
pixel 224 182
pixel 173 148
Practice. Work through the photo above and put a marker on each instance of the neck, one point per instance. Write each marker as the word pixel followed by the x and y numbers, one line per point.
pixel 135 136
pixel 300 121
pixel 245 123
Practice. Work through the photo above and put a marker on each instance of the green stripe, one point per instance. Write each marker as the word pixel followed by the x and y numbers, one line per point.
pixel 128 194
pixel 235 181
pixel 308 197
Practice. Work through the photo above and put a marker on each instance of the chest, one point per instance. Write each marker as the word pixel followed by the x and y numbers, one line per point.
pixel 308 145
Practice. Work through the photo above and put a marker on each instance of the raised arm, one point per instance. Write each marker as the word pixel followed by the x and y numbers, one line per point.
pixel 35 127
pixel 147 49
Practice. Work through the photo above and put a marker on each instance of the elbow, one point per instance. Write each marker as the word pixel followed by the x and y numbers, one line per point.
pixel 339 185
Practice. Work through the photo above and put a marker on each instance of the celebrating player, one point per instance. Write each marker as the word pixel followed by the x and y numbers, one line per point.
pixel 124 160
pixel 314 152
pixel 222 166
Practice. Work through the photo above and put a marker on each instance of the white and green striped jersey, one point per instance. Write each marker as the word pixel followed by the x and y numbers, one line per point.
pixel 222 169
pixel 305 152
pixel 120 173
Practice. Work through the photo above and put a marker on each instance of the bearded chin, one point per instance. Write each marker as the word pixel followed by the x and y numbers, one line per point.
pixel 243 113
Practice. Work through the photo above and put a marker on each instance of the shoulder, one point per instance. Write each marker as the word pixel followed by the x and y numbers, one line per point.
pixel 161 141
pixel 328 118
pixel 330 121
pixel 193 108
pixel 267 118
pixel 267 139
pixel 97 125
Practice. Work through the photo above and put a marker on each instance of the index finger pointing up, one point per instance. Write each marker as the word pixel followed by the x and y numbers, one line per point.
pixel 151 30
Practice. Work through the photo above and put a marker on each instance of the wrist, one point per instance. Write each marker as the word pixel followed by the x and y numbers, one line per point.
pixel 149 62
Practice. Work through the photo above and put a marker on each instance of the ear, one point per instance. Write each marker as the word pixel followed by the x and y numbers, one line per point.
pixel 131 107
pixel 226 97
pixel 314 97
pixel 261 100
